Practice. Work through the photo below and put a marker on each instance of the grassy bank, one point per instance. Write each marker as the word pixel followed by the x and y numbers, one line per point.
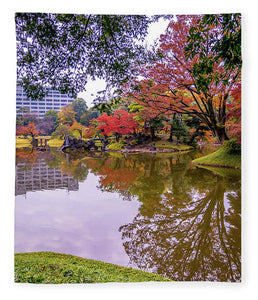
pixel 164 144
pixel 220 158
pixel 50 267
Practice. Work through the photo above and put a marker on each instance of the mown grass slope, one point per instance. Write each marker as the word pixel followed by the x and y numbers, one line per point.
pixel 50 267
pixel 220 158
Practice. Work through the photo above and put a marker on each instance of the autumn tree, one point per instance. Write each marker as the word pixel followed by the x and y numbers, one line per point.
pixel 77 127
pixel 121 122
pixel 198 84
pixel 150 107
pixel 45 128
pixel 30 129
pixel 27 118
pixel 233 116
pixel 66 115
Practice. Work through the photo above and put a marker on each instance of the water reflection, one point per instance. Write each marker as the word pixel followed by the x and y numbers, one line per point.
pixel 188 225
pixel 34 172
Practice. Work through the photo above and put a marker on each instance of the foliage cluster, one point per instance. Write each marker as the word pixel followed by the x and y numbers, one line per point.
pixel 232 146
pixel 115 146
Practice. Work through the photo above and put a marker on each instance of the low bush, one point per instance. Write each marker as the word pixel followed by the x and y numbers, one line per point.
pixel 61 132
pixel 232 146
pixel 115 146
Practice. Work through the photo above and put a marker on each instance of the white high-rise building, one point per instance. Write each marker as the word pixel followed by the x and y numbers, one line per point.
pixel 53 100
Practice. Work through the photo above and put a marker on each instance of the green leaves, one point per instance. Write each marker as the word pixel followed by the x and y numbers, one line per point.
pixel 62 50
pixel 216 39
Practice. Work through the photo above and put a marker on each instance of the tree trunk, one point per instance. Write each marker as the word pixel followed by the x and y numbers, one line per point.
pixel 152 131
pixel 220 134
pixel 170 139
pixel 117 135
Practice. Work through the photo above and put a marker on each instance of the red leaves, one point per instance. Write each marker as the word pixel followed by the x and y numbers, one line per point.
pixel 120 123
pixel 233 124
pixel 27 130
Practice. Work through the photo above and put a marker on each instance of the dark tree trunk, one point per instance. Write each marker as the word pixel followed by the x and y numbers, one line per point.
pixel 152 131
pixel 220 134
pixel 170 139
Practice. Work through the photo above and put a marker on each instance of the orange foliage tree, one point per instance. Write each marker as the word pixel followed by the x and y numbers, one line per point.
pixel 177 83
pixel 30 129
pixel 78 127
pixel 233 124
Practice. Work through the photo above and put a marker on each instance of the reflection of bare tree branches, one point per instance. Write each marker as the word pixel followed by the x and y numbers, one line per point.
pixel 197 241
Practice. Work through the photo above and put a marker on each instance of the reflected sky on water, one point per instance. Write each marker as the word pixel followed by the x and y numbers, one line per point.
pixel 156 212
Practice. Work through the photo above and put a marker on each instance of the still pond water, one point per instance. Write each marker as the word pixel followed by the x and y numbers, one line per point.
pixel 155 212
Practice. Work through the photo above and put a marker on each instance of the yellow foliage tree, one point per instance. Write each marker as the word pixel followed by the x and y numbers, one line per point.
pixel 78 127
pixel 66 115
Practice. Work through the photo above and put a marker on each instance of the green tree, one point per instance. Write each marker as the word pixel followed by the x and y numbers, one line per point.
pixel 180 130
pixel 79 106
pixel 65 50
pixel 88 116
pixel 226 46
pixel 27 118
pixel 61 132
pixel 66 115
pixel 22 110
pixel 52 116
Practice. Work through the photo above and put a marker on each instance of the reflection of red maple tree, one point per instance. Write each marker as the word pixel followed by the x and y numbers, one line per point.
pixel 25 155
pixel 121 178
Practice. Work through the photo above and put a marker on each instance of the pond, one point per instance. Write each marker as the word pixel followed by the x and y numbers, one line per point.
pixel 152 211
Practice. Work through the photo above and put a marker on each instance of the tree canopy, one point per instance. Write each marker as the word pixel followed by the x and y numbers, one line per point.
pixel 64 50
pixel 194 75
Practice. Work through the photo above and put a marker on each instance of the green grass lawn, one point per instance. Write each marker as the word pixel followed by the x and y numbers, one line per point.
pixel 50 267
pixel 220 158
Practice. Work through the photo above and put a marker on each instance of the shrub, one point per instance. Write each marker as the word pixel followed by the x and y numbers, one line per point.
pixel 115 146
pixel 61 132
pixel 232 146
pixel 193 143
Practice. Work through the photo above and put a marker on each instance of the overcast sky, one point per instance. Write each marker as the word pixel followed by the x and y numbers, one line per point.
pixel 92 87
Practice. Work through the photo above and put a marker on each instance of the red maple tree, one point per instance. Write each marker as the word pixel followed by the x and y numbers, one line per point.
pixel 233 117
pixel 120 123
pixel 30 129
pixel 176 83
